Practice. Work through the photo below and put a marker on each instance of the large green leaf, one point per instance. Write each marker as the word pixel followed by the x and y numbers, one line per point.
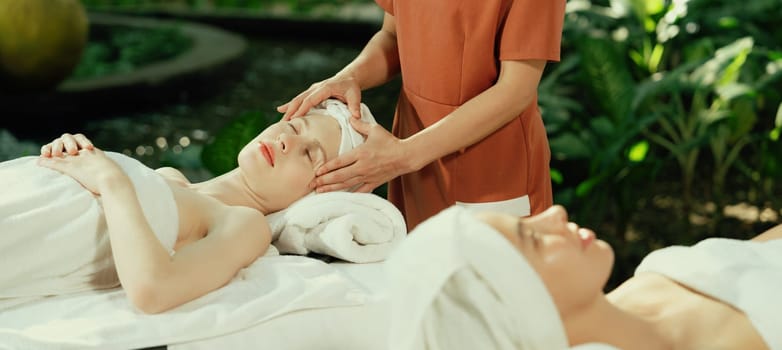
pixel 607 76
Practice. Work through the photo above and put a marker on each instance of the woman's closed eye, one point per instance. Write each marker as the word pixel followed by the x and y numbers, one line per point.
pixel 307 150
pixel 293 127
pixel 536 238
pixel 528 235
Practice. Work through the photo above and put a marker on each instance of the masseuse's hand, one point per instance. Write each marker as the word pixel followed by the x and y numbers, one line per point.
pixel 66 144
pixel 380 159
pixel 343 88
pixel 90 167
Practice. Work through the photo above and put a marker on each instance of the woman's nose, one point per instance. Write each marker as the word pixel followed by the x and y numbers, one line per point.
pixel 557 213
pixel 556 217
pixel 288 142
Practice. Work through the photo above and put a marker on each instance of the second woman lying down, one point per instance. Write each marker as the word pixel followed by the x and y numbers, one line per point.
pixel 495 281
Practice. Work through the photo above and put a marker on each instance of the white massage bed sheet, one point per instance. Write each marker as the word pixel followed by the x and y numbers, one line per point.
pixel 359 327
pixel 271 287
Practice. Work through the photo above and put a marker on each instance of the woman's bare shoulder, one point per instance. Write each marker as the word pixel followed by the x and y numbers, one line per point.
pixel 246 228
pixel 173 174
pixel 772 233
pixel 242 221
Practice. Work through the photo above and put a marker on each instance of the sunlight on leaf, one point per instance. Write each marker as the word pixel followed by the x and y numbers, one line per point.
pixel 656 57
pixel 638 151
pixel 586 187
pixel 733 70
pixel 650 25
pixel 733 90
pixel 728 22
pixel 557 177
pixel 654 7
pixel 778 120
pixel 708 73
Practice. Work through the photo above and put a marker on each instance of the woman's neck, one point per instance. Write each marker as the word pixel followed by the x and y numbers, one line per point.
pixel 232 189
pixel 604 322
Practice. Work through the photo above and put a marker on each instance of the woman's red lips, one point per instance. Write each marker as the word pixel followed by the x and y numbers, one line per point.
pixel 268 153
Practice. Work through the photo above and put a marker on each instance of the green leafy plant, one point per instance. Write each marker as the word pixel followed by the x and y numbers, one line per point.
pixel 646 87
pixel 121 50
pixel 219 155
pixel 700 98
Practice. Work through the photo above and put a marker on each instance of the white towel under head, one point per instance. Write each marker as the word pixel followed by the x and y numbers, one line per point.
pixel 458 284
pixel 339 110
pixel 355 227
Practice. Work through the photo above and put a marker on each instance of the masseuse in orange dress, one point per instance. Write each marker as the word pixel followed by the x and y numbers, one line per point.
pixel 467 128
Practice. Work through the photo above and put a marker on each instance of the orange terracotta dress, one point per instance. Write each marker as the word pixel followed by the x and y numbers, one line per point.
pixel 450 52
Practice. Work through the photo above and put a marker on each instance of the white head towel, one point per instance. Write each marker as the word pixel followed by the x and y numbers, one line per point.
pixel 339 110
pixel 458 284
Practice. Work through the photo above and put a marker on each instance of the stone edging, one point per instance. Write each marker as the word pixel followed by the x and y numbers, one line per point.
pixel 211 48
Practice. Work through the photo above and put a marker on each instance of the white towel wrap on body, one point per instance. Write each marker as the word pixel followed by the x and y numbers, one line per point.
pixel 53 237
pixel 744 274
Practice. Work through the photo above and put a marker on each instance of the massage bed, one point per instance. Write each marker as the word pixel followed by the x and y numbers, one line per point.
pixel 287 299
pixel 291 301
pixel 362 325
pixel 279 302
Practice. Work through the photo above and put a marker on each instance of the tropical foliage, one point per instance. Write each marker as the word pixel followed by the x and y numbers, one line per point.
pixel 685 93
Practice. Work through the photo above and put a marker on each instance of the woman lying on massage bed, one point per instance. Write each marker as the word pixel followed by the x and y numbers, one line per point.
pixel 537 283
pixel 171 241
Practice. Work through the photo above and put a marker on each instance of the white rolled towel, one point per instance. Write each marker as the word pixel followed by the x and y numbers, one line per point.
pixel 355 227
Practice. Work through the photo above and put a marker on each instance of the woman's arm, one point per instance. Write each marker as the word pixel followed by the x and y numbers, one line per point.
pixel 384 157
pixel 241 236
pixel 376 64
pixel 154 280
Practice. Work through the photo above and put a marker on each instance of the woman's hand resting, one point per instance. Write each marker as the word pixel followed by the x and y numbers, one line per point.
pixel 90 167
pixel 66 144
